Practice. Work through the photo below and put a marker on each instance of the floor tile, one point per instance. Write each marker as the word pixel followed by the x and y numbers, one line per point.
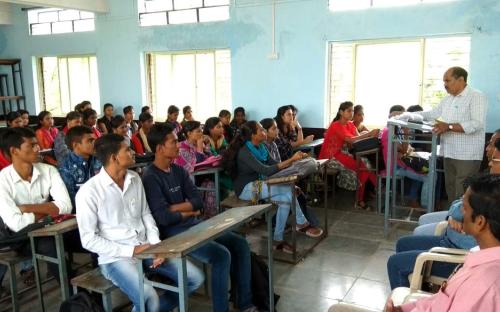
pixel 368 293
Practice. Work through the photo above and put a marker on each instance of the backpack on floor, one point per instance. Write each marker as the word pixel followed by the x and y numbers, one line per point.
pixel 260 283
pixel 80 302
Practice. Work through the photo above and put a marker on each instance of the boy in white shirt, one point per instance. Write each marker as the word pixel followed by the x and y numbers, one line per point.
pixel 115 222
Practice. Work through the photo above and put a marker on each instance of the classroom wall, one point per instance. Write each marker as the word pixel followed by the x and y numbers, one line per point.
pixel 298 76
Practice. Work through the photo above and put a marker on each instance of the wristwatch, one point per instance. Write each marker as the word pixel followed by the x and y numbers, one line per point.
pixel 450 127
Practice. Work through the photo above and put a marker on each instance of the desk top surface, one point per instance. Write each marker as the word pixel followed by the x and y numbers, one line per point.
pixel 183 243
pixel 55 229
pixel 207 171
pixel 312 144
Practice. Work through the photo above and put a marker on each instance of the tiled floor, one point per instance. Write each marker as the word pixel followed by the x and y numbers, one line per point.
pixel 349 265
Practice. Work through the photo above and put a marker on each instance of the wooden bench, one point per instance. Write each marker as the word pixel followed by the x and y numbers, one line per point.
pixel 93 281
pixel 10 259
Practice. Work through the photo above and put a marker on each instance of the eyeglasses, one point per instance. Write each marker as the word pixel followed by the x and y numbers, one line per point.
pixel 495 159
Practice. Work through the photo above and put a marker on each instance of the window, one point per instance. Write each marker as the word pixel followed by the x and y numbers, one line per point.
pixel 201 80
pixel 164 12
pixel 67 81
pixel 381 74
pixel 57 21
pixel 343 5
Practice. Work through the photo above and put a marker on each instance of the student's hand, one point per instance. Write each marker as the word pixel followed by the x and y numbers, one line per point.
pixel 456 225
pixel 200 145
pixel 188 214
pixel 389 307
pixel 157 262
pixel 297 156
pixel 374 133
pixel 308 139
pixel 140 248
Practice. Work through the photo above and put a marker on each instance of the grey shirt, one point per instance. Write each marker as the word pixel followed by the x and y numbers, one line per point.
pixel 249 168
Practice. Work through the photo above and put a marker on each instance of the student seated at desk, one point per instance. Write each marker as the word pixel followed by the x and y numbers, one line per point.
pixel 115 222
pixel 175 203
pixel 172 116
pixel 14 120
pixel 248 162
pixel 213 132
pixel 89 118
pixel 119 126
pixel 193 151
pixel 140 139
pixel 339 137
pixel 61 150
pixel 225 118
pixel 358 118
pixel 290 132
pixel 80 164
pixel 272 132
pixel 104 123
pixel 25 116
pixel 46 134
pixel 239 118
pixel 418 180
pixel 30 191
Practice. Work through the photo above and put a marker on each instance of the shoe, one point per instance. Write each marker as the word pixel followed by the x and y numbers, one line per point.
pixel 310 231
pixel 283 246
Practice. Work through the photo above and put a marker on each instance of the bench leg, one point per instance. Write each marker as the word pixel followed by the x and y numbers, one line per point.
pixel 13 288
pixel 106 302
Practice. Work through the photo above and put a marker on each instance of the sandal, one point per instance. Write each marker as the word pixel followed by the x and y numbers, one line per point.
pixel 283 246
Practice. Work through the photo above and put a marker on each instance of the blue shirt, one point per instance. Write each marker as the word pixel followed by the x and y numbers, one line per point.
pixel 75 171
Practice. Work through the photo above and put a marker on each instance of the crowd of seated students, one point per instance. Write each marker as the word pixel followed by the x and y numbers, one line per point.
pixel 170 203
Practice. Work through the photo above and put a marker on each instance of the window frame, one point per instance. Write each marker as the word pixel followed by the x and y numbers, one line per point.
pixel 356 43
pixel 144 11
pixel 58 10
pixel 41 84
pixel 150 80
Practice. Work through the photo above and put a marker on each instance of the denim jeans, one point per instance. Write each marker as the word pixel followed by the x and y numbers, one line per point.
pixel 427 222
pixel 282 194
pixel 401 264
pixel 124 274
pixel 416 177
pixel 228 253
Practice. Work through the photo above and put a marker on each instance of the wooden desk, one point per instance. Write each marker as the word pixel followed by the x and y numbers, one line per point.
pixel 179 246
pixel 291 180
pixel 57 231
pixel 216 172
pixel 309 147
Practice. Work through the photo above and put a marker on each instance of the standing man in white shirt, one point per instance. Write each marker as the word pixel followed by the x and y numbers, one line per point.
pixel 115 222
pixel 461 122
pixel 30 191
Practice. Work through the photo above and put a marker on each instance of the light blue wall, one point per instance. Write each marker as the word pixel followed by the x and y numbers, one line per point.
pixel 258 83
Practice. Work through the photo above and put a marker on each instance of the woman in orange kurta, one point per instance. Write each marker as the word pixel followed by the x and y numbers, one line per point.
pixel 46 134
pixel 339 137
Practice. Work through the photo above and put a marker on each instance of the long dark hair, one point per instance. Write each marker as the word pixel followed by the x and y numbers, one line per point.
pixel 210 124
pixel 279 118
pixel 229 161
pixel 343 106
